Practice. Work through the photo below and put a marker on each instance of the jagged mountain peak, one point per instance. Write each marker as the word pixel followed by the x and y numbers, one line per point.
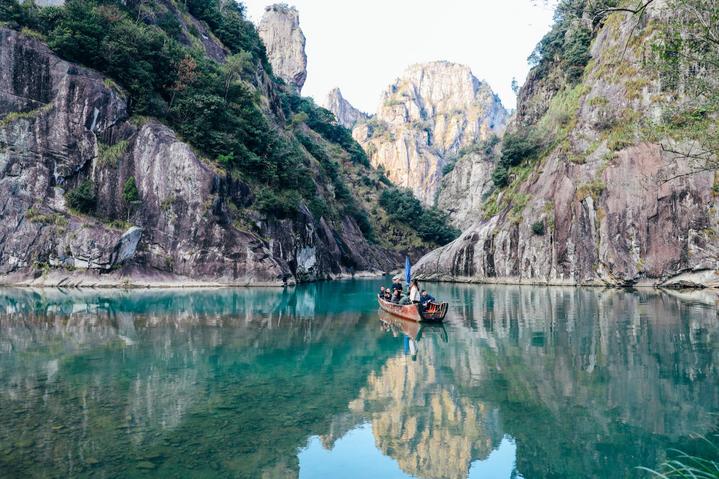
pixel 347 115
pixel 427 115
pixel 285 43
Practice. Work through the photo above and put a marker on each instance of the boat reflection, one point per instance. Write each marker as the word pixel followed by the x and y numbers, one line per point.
pixel 412 331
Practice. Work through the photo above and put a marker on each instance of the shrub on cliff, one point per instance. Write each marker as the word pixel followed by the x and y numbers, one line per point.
pixel 282 204
pixel 82 198
pixel 431 224
pixel 516 148
pixel 129 191
pixel 566 46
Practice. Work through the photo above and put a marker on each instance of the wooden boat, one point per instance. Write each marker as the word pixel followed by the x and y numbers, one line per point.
pixel 414 312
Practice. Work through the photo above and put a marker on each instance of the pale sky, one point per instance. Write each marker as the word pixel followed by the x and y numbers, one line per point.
pixel 363 46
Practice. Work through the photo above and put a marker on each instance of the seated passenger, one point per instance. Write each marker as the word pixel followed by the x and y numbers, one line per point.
pixel 381 292
pixel 405 300
pixel 397 285
pixel 388 294
pixel 425 298
pixel 397 296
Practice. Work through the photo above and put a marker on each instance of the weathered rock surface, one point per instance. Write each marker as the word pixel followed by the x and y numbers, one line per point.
pixel 280 31
pixel 55 116
pixel 588 214
pixel 346 114
pixel 463 191
pixel 427 115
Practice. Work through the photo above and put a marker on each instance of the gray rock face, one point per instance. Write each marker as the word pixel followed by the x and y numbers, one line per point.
pixel 346 114
pixel 588 214
pixel 632 232
pixel 55 116
pixel 464 190
pixel 427 115
pixel 280 31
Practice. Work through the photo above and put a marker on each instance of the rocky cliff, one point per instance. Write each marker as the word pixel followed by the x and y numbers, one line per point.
pixel 346 114
pixel 425 118
pixel 285 43
pixel 594 196
pixel 63 126
pixel 464 189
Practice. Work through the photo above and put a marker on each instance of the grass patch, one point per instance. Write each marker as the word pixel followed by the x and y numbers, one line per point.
pixel 25 115
pixel 34 216
pixel 593 188
pixel 519 202
pixel 109 155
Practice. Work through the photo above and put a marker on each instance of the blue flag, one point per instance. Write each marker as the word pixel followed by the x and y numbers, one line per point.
pixel 407 270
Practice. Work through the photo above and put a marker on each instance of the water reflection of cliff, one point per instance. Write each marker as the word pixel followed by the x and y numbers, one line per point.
pixel 217 382
pixel 590 383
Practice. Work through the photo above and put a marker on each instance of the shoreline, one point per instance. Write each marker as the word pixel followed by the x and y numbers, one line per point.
pixel 135 278
pixel 688 280
pixel 154 280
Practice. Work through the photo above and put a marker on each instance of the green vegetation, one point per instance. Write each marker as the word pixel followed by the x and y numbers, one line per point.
pixel 593 188
pixel 25 115
pixel 700 464
pixel 129 191
pixel 538 228
pixel 566 46
pixel 109 155
pixel 519 202
pixel 685 58
pixel 282 204
pixel 516 148
pixel 430 224
pixel 290 151
pixel 82 198
pixel 35 216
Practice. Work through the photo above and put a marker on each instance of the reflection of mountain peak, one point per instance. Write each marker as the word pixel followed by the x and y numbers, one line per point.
pixel 419 419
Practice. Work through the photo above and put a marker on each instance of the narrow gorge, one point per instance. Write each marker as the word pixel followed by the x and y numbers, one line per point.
pixel 200 164
pixel 203 164
pixel 596 181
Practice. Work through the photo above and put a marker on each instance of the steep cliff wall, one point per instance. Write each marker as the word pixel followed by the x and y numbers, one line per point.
pixel 597 197
pixel 63 125
pixel 426 116
pixel 281 33
pixel 464 190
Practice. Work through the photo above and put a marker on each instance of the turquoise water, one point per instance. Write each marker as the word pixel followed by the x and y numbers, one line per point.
pixel 313 382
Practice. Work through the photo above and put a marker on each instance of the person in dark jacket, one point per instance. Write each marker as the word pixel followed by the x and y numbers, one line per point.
pixel 425 298
pixel 396 285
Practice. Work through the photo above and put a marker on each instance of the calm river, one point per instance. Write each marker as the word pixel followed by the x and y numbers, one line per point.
pixel 312 382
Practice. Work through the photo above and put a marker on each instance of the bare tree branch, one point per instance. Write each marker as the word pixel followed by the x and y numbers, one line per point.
pixel 633 11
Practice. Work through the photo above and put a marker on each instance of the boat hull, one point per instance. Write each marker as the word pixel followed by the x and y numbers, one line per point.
pixel 413 312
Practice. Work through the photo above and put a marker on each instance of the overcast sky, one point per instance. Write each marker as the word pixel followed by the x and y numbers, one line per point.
pixel 362 46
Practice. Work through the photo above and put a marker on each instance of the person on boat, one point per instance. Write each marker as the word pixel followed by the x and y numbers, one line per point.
pixel 388 294
pixel 396 285
pixel 414 290
pixel 405 301
pixel 381 292
pixel 426 298
pixel 397 296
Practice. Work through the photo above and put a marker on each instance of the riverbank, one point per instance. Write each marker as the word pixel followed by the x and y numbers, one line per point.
pixel 138 278
pixel 708 279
